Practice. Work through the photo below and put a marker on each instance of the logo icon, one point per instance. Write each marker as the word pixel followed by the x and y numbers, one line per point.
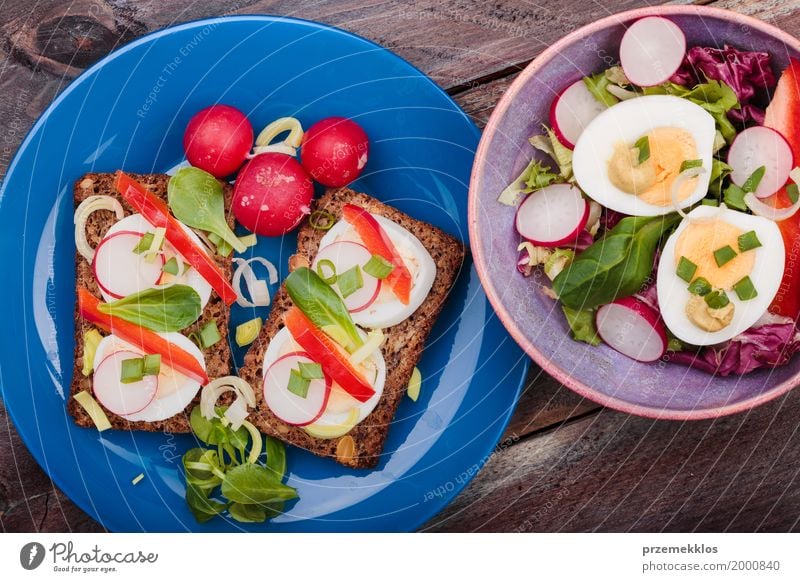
pixel 31 555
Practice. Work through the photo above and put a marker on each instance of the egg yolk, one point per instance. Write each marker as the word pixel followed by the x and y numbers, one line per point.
pixel 652 179
pixel 700 239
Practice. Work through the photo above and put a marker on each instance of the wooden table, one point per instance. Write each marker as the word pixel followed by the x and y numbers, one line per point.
pixel 566 463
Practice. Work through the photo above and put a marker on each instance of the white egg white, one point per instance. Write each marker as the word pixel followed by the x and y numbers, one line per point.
pixel 626 122
pixel 388 310
pixel 673 292
pixel 190 277
pixel 339 403
pixel 175 391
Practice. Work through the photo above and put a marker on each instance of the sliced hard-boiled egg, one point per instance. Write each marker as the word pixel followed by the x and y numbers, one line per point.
pixel 630 156
pixel 728 252
pixel 175 391
pixel 340 404
pixel 386 310
pixel 121 268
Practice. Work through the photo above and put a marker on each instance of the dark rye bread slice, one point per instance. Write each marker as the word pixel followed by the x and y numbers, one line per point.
pixel 218 356
pixel 401 350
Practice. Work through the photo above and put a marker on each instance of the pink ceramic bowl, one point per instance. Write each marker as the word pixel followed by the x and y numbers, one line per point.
pixel 659 390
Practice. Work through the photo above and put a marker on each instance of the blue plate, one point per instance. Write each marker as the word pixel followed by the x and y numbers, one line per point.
pixel 129 111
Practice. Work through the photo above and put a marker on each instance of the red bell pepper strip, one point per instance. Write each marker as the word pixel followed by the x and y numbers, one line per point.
pixel 157 213
pixel 378 243
pixel 148 341
pixel 783 114
pixel 324 351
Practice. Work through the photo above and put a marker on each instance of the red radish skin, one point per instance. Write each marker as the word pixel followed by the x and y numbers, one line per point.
pixel 632 328
pixel 651 51
pixel 119 398
pixel 552 216
pixel 289 407
pixel 272 194
pixel 345 255
pixel 761 146
pixel 572 111
pixel 335 151
pixel 116 277
pixel 218 139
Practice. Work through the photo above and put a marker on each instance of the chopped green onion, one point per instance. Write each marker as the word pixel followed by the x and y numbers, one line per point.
pixel 754 180
pixel 249 240
pixel 643 145
pixel 378 267
pixel 734 197
pixel 700 286
pixel 748 241
pixel 144 243
pixel 247 332
pixel 158 241
pixel 717 299
pixel 724 255
pixel 152 364
pixel 792 192
pixel 224 249
pixel 350 281
pixel 209 334
pixel 321 220
pixel 171 266
pixel 136 480
pixel 91 339
pixel 686 269
pixel 132 370
pixel 745 289
pixel 688 164
pixel 297 384
pixel 414 384
pixel 327 264
pixel 93 409
pixel 311 371
pixel 709 202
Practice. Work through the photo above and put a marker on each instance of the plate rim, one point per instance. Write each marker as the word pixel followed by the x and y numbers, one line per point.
pixel 30 441
pixel 473 215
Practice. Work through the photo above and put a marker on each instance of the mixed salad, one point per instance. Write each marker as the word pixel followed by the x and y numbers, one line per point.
pixel 666 220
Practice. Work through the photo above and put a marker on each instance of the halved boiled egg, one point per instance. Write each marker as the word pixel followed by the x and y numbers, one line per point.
pixel 716 252
pixel 175 391
pixel 120 271
pixel 629 158
pixel 383 309
pixel 339 408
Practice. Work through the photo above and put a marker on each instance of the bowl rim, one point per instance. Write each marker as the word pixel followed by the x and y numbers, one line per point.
pixel 473 215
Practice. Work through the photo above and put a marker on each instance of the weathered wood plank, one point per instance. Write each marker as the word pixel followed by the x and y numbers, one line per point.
pixel 613 472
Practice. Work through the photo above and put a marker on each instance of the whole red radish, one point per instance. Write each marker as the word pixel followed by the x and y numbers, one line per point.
pixel 272 194
pixel 218 139
pixel 334 151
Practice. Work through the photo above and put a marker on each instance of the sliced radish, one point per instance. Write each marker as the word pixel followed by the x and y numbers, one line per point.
pixel 345 255
pixel 119 271
pixel 651 51
pixel 633 328
pixel 116 396
pixel 553 216
pixel 572 111
pixel 287 406
pixel 756 147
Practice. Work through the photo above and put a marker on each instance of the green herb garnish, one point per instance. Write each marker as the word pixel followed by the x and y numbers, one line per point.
pixel 167 309
pixel 131 370
pixel 196 199
pixel 745 289
pixel 378 267
pixel 717 299
pixel 323 306
pixel 792 192
pixel 327 264
pixel 686 269
pixel 643 145
pixel 298 385
pixel 709 202
pixel 152 364
pixel 700 286
pixel 171 266
pixel 311 371
pixel 208 335
pixel 748 241
pixel 350 281
pixel 724 255
pixel 689 164
pixel 734 197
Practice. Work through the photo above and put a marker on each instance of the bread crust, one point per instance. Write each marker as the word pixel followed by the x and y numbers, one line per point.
pixel 217 357
pixel 402 349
